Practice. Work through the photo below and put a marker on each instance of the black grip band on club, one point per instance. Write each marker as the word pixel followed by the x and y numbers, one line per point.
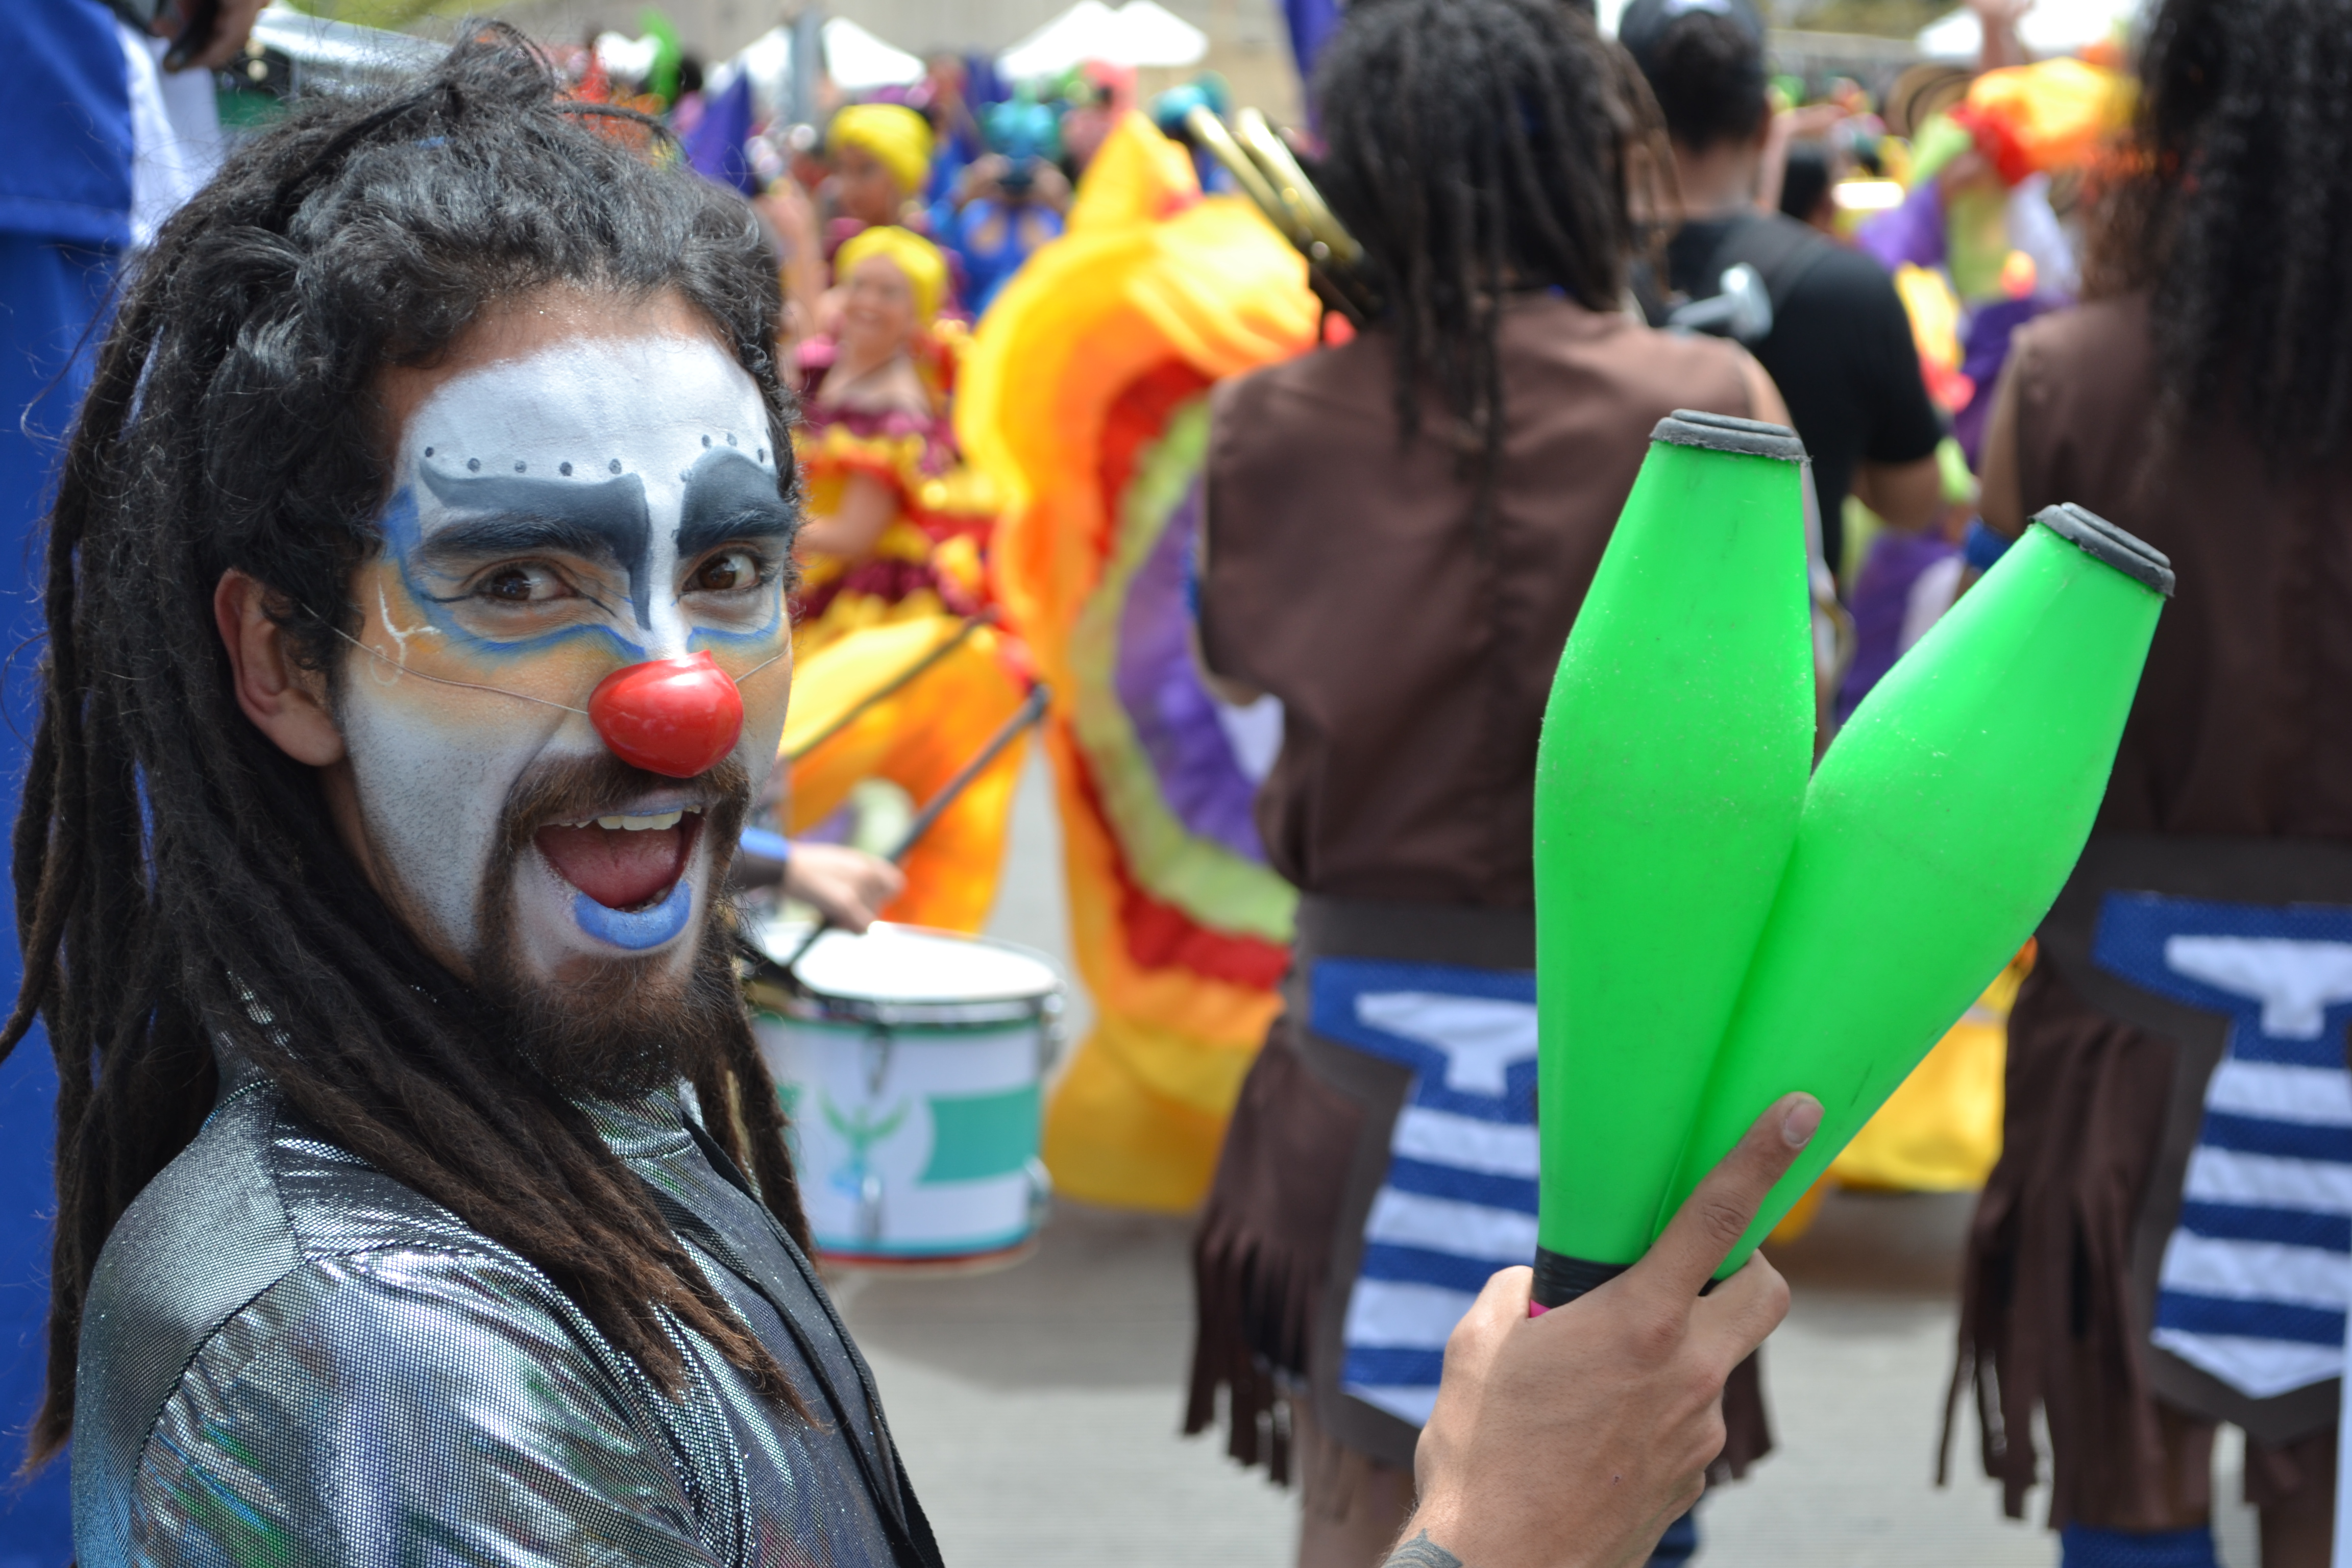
pixel 1560 1279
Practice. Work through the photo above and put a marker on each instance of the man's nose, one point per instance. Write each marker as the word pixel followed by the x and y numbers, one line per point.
pixel 675 716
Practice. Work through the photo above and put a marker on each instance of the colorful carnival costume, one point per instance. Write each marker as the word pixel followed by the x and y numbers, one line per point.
pixel 1990 246
pixel 926 560
pixel 2163 1246
pixel 1086 396
pixel 865 620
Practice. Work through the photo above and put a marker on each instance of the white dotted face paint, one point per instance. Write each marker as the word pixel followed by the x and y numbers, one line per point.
pixel 593 505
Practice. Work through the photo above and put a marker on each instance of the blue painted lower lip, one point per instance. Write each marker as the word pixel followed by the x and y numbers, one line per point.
pixel 636 930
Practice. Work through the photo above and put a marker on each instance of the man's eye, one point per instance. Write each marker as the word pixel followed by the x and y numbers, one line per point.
pixel 522 586
pixel 728 572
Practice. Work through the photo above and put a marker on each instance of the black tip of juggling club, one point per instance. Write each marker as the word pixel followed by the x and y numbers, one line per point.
pixel 1722 433
pixel 2103 542
pixel 1560 1279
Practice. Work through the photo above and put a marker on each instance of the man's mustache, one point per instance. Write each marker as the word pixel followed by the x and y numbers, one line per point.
pixel 575 789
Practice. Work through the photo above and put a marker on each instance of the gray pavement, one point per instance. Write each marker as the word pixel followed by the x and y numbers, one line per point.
pixel 1038 1407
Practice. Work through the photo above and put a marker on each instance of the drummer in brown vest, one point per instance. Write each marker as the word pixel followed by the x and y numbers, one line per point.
pixel 2166 1243
pixel 1399 532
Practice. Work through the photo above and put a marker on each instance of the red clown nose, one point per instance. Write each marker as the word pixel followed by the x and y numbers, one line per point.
pixel 670 716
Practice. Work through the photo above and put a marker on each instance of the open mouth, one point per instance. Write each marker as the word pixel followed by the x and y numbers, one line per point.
pixel 624 861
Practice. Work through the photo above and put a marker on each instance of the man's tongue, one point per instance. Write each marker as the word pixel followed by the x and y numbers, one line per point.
pixel 618 869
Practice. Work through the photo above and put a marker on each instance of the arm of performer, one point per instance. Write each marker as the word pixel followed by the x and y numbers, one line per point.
pixel 852 528
pixel 1573 1440
pixel 231 24
pixel 847 887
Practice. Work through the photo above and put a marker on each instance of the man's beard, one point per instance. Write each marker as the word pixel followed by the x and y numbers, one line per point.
pixel 628 1026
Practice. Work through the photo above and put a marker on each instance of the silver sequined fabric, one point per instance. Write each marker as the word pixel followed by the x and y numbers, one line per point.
pixel 288 1358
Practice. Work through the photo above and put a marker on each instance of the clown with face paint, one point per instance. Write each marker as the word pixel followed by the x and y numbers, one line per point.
pixel 418 640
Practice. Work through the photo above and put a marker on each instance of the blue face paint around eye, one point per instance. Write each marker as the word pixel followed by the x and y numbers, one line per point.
pixel 403 543
pixel 610 512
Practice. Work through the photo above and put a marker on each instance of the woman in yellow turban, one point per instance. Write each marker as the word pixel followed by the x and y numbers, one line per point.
pixel 881 156
pixel 895 522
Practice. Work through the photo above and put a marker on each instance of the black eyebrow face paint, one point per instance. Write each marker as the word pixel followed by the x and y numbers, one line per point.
pixel 729 496
pixel 612 512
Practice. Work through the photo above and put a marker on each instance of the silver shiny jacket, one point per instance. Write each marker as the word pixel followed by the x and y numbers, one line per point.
pixel 290 1358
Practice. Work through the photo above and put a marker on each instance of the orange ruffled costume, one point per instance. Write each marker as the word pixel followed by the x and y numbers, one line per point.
pixel 917 737
pixel 1084 398
pixel 929 560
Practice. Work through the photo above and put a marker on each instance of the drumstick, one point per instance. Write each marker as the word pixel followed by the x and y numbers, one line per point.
pixel 892 686
pixel 1028 714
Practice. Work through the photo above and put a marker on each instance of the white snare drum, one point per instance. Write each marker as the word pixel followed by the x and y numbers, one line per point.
pixel 912 1066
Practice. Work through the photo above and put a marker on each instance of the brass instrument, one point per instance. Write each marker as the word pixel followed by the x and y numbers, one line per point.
pixel 1262 163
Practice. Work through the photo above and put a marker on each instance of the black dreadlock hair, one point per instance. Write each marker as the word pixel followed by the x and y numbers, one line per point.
pixel 2231 206
pixel 1477 148
pixel 178 878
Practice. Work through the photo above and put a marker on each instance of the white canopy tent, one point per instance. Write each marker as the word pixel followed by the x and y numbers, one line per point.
pixel 2051 27
pixel 856 60
pixel 1139 33
pixel 768 61
pixel 859 62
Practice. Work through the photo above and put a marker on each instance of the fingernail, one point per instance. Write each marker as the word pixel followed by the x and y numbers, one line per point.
pixel 1803 1118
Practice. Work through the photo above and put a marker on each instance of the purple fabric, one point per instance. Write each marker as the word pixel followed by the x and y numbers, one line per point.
pixel 1174 717
pixel 1881 597
pixel 714 148
pixel 1912 233
pixel 1984 349
pixel 1312 23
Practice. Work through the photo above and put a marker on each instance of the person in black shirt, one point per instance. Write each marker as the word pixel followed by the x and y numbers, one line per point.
pixel 1840 347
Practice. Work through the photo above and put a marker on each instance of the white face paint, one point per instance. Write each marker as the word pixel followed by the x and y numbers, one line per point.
pixel 595 504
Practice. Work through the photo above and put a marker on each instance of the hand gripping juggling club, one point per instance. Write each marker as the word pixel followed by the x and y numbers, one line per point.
pixel 1668 781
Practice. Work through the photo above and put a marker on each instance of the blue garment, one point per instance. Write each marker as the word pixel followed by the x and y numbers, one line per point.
pixel 65 209
pixel 2079 1546
pixel 66 122
pixel 1311 23
pixel 50 293
pixel 1679 1544
pixel 1458 1202
pixel 2258 1272
pixel 987 267
pixel 714 148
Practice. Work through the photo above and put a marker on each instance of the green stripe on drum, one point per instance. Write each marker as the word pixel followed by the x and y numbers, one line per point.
pixel 976 1136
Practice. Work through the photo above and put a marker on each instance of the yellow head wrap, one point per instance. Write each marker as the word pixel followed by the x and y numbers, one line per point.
pixel 897 136
pixel 919 259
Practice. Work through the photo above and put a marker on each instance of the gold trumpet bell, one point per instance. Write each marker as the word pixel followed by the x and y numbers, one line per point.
pixel 1262 163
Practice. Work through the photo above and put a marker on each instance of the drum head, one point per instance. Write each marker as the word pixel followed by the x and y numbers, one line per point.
pixel 912 974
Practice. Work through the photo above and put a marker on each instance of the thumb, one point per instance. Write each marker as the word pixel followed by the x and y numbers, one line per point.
pixel 1720 1209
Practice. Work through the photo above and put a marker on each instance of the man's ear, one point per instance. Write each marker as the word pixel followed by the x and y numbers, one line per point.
pixel 285 702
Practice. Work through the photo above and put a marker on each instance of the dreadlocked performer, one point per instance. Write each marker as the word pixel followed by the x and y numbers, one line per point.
pixel 1398 534
pixel 420 1192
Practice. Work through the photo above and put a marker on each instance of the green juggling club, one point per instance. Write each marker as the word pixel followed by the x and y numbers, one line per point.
pixel 1937 833
pixel 1668 783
